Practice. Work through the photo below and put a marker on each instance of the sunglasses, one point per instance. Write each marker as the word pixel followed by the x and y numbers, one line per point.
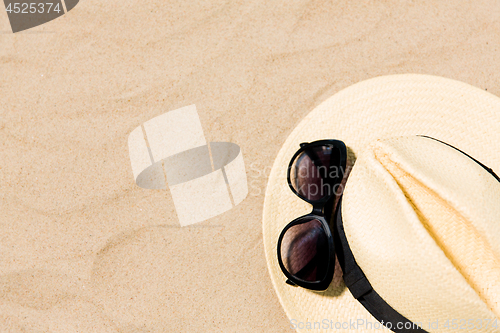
pixel 306 251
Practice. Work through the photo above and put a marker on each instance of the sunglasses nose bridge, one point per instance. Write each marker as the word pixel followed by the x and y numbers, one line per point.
pixel 318 209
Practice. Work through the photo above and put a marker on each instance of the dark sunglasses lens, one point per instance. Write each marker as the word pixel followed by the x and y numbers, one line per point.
pixel 316 173
pixel 305 252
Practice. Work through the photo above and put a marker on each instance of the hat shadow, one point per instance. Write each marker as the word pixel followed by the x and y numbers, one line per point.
pixel 351 157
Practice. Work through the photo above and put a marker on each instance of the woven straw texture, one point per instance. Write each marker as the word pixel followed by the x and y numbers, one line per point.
pixel 422 221
pixel 419 267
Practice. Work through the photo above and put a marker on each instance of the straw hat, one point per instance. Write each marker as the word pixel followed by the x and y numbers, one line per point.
pixel 422 219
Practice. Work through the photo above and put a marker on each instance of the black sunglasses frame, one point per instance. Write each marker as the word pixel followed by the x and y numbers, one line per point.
pixel 322 209
pixel 295 281
pixel 320 143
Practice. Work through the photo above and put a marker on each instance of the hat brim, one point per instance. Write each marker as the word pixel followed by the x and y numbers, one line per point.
pixel 461 115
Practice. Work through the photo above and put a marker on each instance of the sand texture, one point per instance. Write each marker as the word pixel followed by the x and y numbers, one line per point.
pixel 82 247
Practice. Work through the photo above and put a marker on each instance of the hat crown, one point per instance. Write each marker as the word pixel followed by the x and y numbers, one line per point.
pixel 418 212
